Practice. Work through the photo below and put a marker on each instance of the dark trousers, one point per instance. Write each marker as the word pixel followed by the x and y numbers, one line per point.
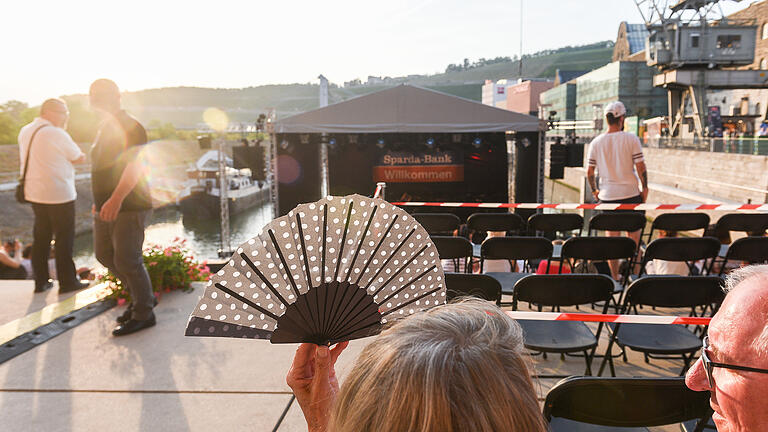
pixel 118 246
pixel 54 221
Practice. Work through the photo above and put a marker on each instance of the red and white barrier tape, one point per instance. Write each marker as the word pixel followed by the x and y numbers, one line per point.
pixel 609 318
pixel 377 192
pixel 578 206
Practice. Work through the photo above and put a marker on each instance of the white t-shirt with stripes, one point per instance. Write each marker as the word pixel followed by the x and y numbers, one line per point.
pixel 615 155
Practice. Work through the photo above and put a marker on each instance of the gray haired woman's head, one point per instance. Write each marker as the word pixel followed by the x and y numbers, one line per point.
pixel 457 367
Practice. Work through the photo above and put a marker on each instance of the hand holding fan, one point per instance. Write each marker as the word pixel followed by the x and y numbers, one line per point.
pixel 328 271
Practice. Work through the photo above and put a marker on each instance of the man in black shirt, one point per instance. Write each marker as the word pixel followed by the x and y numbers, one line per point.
pixel 122 203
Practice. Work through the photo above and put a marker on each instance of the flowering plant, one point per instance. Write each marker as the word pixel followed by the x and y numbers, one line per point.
pixel 170 268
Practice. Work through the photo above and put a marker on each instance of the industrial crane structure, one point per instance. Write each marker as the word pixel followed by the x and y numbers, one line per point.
pixel 695 48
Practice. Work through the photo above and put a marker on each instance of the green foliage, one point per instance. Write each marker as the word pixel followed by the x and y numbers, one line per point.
pixel 171 268
pixel 157 130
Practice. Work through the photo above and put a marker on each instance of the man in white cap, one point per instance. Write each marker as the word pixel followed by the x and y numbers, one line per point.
pixel 618 157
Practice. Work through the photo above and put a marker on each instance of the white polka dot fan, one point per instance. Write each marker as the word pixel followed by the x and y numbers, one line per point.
pixel 329 271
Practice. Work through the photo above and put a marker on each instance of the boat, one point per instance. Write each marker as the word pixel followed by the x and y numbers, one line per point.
pixel 200 197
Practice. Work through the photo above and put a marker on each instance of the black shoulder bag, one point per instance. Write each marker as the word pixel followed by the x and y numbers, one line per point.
pixel 20 187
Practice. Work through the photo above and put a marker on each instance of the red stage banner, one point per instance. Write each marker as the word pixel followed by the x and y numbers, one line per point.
pixel 435 166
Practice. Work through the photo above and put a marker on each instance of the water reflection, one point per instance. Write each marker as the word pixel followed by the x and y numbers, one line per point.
pixel 202 235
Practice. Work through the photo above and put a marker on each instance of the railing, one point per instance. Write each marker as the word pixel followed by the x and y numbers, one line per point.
pixel 748 146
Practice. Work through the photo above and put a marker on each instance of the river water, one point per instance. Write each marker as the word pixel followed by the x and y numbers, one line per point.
pixel 202 236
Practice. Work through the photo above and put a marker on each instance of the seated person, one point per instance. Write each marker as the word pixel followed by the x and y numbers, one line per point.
pixel 662 267
pixel 26 261
pixel 501 265
pixel 456 367
pixel 553 266
pixel 10 261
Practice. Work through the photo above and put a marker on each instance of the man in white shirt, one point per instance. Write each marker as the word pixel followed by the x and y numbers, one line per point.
pixel 618 157
pixel 50 188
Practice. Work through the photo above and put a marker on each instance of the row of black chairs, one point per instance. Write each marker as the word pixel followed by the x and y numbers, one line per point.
pixel 695 293
pixel 553 223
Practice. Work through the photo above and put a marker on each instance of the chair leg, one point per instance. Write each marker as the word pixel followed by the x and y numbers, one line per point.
pixel 588 360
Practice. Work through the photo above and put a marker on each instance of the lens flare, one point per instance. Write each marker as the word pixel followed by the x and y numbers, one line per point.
pixel 216 119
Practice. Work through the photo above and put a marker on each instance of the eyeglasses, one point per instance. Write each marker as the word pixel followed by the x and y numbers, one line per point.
pixel 709 365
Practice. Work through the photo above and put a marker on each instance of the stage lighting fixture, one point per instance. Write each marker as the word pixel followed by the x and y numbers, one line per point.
pixel 456 138
pixel 477 142
pixel 380 143
pixel 526 142
pixel 352 139
pixel 430 143
pixel 286 146
pixel 332 143
pixel 304 138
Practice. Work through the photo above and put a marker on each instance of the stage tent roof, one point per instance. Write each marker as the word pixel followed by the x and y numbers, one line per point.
pixel 408 109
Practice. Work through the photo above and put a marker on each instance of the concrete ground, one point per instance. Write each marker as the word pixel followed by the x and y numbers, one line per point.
pixel 160 380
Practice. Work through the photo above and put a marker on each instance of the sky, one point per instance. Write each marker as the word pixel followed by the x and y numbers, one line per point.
pixel 54 48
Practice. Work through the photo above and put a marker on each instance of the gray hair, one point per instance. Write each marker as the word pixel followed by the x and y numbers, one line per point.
pixel 454 368
pixel 738 276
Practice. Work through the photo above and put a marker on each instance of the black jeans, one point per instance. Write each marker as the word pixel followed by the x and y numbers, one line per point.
pixel 54 221
pixel 118 246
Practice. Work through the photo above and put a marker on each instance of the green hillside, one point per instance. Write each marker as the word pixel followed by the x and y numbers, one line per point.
pixel 183 106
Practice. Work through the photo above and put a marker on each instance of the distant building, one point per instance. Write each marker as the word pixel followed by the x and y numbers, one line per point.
pixel 495 93
pixel 523 97
pixel 629 82
pixel 564 76
pixel 630 42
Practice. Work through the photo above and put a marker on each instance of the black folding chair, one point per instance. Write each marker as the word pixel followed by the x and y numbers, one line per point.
pixel 513 249
pixel 679 222
pixel 438 223
pixel 457 249
pixel 747 249
pixel 556 291
pixel 744 222
pixel 554 223
pixel 472 285
pixel 582 404
pixel 663 341
pixel 510 223
pixel 617 221
pixel 581 252
pixel 683 249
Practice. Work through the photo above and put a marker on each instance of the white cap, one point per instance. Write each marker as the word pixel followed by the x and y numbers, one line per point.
pixel 616 109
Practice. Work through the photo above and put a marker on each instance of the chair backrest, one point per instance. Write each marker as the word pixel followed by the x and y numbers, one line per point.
pixel 617 221
pixel 495 222
pixel 675 291
pixel 516 248
pixel 598 248
pixel 749 249
pixel 680 222
pixel 563 290
pixel 555 222
pixel 625 402
pixel 746 222
pixel 472 285
pixel 685 249
pixel 452 247
pixel 438 223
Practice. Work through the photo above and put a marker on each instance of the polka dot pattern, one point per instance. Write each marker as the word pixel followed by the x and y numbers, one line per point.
pixel 365 242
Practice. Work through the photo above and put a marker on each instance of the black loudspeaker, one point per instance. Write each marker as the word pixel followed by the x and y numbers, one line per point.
pixel 574 155
pixel 204 141
pixel 298 170
pixel 252 158
pixel 558 154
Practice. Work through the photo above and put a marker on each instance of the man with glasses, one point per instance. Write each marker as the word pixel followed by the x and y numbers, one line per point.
pixel 734 362
pixel 50 187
